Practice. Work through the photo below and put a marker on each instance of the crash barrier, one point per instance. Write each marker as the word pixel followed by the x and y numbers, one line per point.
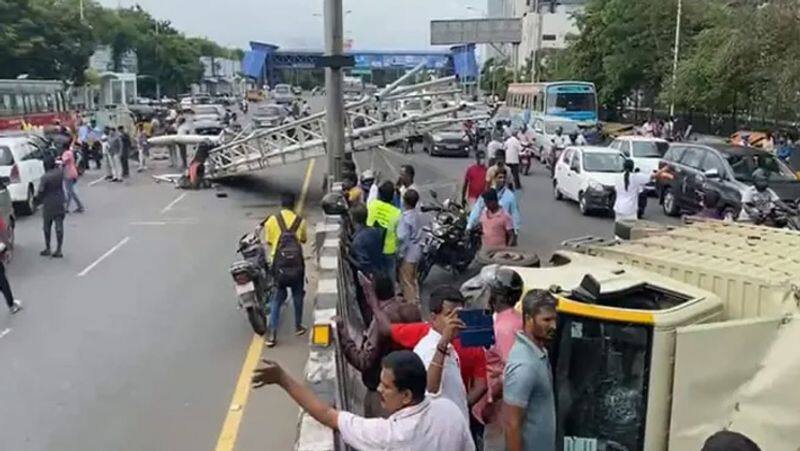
pixel 326 371
pixel 320 370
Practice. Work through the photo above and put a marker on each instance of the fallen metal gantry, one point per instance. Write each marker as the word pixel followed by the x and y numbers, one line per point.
pixel 369 123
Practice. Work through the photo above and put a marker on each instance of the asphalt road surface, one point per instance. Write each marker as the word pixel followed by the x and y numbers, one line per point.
pixel 133 340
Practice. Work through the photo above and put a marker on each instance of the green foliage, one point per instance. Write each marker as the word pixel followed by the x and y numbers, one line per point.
pixel 735 56
pixel 47 39
pixel 496 76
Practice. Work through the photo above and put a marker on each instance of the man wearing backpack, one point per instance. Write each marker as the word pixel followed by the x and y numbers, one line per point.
pixel 285 235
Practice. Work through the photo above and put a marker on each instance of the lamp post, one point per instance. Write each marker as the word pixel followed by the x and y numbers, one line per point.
pixel 675 57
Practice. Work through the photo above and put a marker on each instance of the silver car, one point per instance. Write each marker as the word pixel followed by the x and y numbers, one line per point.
pixel 270 115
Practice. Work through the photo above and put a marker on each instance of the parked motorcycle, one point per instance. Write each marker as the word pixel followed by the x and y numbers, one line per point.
pixel 253 280
pixel 447 242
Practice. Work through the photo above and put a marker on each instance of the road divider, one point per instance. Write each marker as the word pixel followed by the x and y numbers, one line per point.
pixel 104 256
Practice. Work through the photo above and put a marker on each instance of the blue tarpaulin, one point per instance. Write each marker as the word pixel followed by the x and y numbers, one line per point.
pixel 253 63
pixel 464 62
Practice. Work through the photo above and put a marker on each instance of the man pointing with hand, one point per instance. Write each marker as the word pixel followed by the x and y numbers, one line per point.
pixel 416 422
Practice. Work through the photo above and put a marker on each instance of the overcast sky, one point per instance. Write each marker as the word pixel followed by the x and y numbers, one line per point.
pixel 372 24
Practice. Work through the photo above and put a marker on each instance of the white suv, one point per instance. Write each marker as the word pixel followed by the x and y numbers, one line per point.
pixel 588 175
pixel 646 153
pixel 21 163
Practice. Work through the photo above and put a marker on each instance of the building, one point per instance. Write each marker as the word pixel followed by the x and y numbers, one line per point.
pixel 220 75
pixel 557 23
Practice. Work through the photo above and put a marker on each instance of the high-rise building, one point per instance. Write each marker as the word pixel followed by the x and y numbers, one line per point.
pixel 555 16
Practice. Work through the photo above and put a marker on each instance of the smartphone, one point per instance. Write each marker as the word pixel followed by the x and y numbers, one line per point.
pixel 480 328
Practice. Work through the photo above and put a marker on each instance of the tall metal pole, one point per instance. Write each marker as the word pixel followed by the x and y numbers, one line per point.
pixel 675 58
pixel 80 10
pixel 334 113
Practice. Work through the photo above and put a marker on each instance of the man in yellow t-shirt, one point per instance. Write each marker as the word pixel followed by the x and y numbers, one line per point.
pixel 272 234
pixel 382 213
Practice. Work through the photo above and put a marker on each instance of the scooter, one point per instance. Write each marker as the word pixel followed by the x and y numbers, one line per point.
pixel 525 159
pixel 253 280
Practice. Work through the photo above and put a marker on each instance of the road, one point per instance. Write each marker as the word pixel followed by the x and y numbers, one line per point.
pixel 133 340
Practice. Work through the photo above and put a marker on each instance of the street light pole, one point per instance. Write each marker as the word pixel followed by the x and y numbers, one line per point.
pixel 334 113
pixel 675 58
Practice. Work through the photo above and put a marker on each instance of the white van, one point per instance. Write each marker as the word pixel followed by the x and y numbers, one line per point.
pixel 21 162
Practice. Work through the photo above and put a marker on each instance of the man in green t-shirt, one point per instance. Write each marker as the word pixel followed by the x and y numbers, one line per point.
pixel 382 213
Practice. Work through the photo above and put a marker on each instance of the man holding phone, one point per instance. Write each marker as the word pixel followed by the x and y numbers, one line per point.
pixel 436 349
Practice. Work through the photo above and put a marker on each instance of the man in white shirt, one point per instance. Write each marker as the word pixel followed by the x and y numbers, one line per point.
pixel 437 352
pixel 513 148
pixel 183 129
pixel 416 422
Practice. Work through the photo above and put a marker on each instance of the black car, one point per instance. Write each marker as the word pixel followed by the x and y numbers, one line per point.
pixel 724 168
pixel 451 141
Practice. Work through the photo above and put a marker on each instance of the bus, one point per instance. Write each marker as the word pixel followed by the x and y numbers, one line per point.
pixel 35 102
pixel 575 100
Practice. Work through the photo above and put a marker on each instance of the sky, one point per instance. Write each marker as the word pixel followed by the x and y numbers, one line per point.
pixel 292 24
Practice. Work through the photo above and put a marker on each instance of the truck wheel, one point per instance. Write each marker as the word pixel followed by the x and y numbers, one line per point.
pixel 507 256
pixel 257 320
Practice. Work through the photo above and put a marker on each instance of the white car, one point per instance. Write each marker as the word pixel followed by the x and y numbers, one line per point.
pixel 21 162
pixel 588 175
pixel 646 153
pixel 544 133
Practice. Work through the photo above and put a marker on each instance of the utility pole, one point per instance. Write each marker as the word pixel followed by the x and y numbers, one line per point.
pixel 334 113
pixel 80 10
pixel 675 58
pixel 158 70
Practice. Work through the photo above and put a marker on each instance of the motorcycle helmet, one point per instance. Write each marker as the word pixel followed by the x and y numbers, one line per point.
pixel 761 180
pixel 334 204
pixel 368 175
pixel 505 285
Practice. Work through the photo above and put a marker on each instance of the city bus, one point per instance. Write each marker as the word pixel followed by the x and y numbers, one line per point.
pixel 35 102
pixel 575 100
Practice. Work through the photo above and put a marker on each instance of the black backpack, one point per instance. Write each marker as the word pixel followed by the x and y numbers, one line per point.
pixel 288 264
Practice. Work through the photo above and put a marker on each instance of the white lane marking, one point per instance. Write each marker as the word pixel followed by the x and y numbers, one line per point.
pixel 173 203
pixel 173 221
pixel 104 256
pixel 97 181
pixel 5 332
pixel 391 166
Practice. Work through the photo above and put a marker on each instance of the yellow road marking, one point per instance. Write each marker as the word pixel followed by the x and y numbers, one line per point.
pixel 230 428
pixel 304 192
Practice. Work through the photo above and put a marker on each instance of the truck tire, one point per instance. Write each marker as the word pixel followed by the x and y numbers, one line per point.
pixel 507 256
pixel 258 320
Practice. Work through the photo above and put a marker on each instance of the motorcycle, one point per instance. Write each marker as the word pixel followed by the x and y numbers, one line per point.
pixel 785 216
pixel 253 280
pixel 525 158
pixel 447 242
